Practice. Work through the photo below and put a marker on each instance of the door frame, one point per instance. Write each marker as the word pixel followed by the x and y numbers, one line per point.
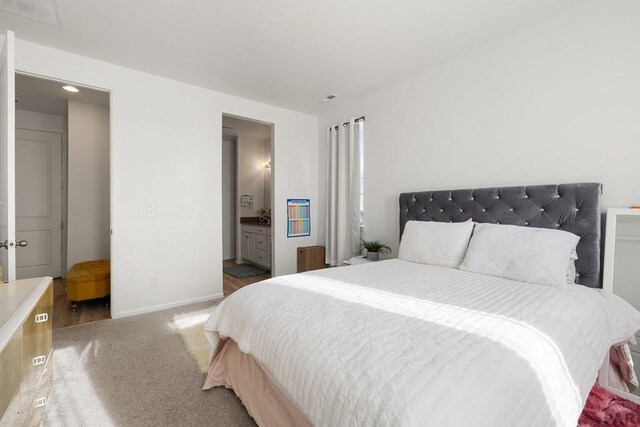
pixel 113 184
pixel 7 62
pixel 272 125
pixel 233 140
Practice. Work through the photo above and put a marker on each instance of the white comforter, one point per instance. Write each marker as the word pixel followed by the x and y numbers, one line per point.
pixel 397 343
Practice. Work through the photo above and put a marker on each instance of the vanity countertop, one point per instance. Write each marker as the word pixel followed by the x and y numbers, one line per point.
pixel 250 220
pixel 17 299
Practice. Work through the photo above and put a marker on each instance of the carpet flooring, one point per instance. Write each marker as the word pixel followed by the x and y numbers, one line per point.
pixel 134 371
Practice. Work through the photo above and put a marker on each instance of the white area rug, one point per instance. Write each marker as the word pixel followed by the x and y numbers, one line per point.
pixel 189 326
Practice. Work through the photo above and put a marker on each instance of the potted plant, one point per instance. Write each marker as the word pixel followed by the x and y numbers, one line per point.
pixel 374 248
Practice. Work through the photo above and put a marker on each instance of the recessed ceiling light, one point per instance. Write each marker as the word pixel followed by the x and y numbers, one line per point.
pixel 70 89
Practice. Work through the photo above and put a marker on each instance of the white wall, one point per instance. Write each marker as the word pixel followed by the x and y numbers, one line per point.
pixel 88 183
pixel 166 152
pixel 266 145
pixel 558 102
pixel 229 179
pixel 40 121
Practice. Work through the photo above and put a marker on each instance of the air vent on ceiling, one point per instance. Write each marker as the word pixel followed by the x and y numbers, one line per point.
pixel 39 10
pixel 329 97
pixel 226 127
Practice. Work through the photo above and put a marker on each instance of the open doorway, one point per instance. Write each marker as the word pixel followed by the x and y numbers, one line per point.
pixel 247 182
pixel 63 194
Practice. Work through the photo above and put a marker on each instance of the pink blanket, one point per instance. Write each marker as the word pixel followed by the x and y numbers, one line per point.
pixel 606 409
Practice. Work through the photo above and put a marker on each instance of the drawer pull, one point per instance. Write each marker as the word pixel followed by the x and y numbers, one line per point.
pixel 39 403
pixel 39 360
pixel 42 317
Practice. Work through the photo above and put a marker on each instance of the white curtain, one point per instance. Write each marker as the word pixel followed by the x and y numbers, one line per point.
pixel 343 192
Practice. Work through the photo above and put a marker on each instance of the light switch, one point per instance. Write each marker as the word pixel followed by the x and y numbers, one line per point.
pixel 152 211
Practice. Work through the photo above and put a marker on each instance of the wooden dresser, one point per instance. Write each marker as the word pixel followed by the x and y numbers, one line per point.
pixel 26 368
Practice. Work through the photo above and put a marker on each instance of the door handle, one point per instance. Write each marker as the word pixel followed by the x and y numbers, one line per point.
pixel 7 245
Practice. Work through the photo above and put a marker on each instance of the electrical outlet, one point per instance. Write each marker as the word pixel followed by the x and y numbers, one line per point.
pixel 154 282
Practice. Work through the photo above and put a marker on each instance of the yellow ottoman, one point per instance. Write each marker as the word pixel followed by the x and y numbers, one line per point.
pixel 89 280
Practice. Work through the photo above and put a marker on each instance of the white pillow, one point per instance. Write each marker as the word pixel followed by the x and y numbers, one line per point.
pixel 435 243
pixel 526 254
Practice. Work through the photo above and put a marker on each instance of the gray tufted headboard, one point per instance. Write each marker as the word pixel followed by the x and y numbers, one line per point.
pixel 569 207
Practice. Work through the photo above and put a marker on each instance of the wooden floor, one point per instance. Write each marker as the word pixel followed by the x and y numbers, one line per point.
pixel 231 284
pixel 91 311
pixel 87 311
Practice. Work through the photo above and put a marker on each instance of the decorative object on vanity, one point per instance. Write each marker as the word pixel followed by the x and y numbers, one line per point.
pixel 568 207
pixel 298 217
pixel 264 216
pixel 310 258
pixel 374 248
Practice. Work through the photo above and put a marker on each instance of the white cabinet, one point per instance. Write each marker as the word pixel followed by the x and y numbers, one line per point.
pixel 256 245
pixel 248 246
pixel 621 273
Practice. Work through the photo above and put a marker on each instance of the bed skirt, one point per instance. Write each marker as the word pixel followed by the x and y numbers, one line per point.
pixel 263 398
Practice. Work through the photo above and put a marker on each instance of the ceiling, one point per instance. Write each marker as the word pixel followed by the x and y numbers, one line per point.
pixel 233 126
pixel 289 53
pixel 48 97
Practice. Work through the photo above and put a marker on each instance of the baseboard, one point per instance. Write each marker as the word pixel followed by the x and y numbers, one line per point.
pixel 168 305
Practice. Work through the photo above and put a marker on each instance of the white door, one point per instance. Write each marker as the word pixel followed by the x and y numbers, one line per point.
pixel 39 203
pixel 7 162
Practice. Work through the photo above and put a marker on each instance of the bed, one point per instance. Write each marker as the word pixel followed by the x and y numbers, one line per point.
pixel 403 343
